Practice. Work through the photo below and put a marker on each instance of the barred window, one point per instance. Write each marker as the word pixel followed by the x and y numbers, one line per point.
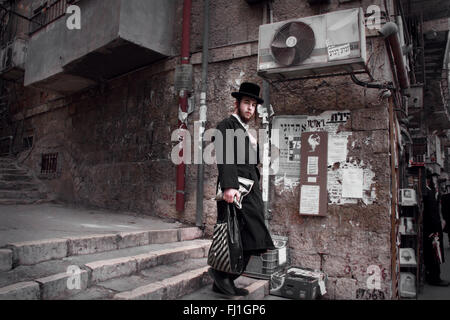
pixel 49 163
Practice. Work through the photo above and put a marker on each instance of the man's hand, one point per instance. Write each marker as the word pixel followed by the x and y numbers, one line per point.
pixel 229 195
pixel 432 235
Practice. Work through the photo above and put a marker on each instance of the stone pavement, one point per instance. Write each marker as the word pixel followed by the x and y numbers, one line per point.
pixel 20 223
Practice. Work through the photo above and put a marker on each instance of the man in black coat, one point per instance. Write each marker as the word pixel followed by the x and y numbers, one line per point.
pixel 445 206
pixel 432 227
pixel 239 158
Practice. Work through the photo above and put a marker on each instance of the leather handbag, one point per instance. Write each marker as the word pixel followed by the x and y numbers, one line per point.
pixel 225 253
pixel 245 186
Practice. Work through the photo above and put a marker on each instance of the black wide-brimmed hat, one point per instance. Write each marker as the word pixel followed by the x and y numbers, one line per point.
pixel 248 89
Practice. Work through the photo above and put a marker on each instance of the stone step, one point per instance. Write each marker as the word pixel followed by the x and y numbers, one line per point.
pixel 257 289
pixel 7 166
pixel 53 276
pixel 6 259
pixel 21 194
pixel 33 252
pixel 15 177
pixel 13 171
pixel 23 186
pixel 7 160
pixel 173 279
pixel 51 267
pixel 23 201
pixel 170 288
pixel 21 291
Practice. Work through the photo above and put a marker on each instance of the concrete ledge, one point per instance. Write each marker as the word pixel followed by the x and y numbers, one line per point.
pixel 163 236
pixel 62 285
pixel 20 291
pixel 32 252
pixel 133 239
pixel 6 259
pixel 189 233
pixel 171 288
pixel 113 268
pixel 92 244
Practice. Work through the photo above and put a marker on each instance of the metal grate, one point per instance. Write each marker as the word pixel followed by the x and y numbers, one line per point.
pixel 49 163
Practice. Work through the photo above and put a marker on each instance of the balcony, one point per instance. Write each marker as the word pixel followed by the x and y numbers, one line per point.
pixel 12 60
pixel 116 37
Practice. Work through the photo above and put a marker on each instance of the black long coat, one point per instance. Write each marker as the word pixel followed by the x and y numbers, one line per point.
pixel 445 201
pixel 431 224
pixel 254 233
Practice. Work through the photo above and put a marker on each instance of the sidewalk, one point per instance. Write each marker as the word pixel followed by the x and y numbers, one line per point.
pixel 20 223
pixel 439 293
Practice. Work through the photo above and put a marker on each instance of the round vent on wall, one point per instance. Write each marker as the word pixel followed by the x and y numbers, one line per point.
pixel 293 43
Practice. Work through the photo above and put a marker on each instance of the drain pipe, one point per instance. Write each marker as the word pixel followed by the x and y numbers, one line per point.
pixel 390 32
pixel 203 108
pixel 267 10
pixel 183 103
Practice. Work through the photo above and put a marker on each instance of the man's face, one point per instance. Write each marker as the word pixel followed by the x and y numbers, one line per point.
pixel 246 109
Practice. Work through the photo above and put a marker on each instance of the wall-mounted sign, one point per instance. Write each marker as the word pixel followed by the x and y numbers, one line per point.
pixel 313 173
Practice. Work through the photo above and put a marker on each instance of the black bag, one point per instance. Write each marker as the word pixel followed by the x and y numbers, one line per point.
pixel 225 253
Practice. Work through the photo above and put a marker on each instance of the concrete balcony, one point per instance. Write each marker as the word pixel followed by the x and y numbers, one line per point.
pixel 116 37
pixel 12 60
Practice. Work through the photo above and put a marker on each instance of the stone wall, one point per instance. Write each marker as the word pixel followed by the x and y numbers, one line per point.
pixel 114 142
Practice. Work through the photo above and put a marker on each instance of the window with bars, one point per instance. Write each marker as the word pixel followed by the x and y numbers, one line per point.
pixel 49 163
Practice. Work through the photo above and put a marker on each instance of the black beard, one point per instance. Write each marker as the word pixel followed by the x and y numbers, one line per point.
pixel 243 119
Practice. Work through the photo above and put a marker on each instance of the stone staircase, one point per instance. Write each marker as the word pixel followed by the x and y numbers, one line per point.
pixel 141 265
pixel 18 185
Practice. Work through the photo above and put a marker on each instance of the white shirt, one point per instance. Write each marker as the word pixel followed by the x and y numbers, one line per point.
pixel 253 141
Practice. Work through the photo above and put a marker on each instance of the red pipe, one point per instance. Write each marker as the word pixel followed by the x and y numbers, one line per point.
pixel 390 33
pixel 185 48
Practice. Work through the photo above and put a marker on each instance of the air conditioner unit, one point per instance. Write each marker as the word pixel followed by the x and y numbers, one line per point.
pixel 408 197
pixel 318 45
pixel 13 55
pixel 7 57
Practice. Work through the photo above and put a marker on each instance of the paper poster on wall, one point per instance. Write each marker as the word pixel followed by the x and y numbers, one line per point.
pixel 288 145
pixel 352 184
pixel 309 199
pixel 313 166
pixel 337 148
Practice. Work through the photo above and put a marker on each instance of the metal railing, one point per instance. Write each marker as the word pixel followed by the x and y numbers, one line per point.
pixel 49 13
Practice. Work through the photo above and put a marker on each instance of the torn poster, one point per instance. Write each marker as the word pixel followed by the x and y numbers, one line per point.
pixel 352 184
